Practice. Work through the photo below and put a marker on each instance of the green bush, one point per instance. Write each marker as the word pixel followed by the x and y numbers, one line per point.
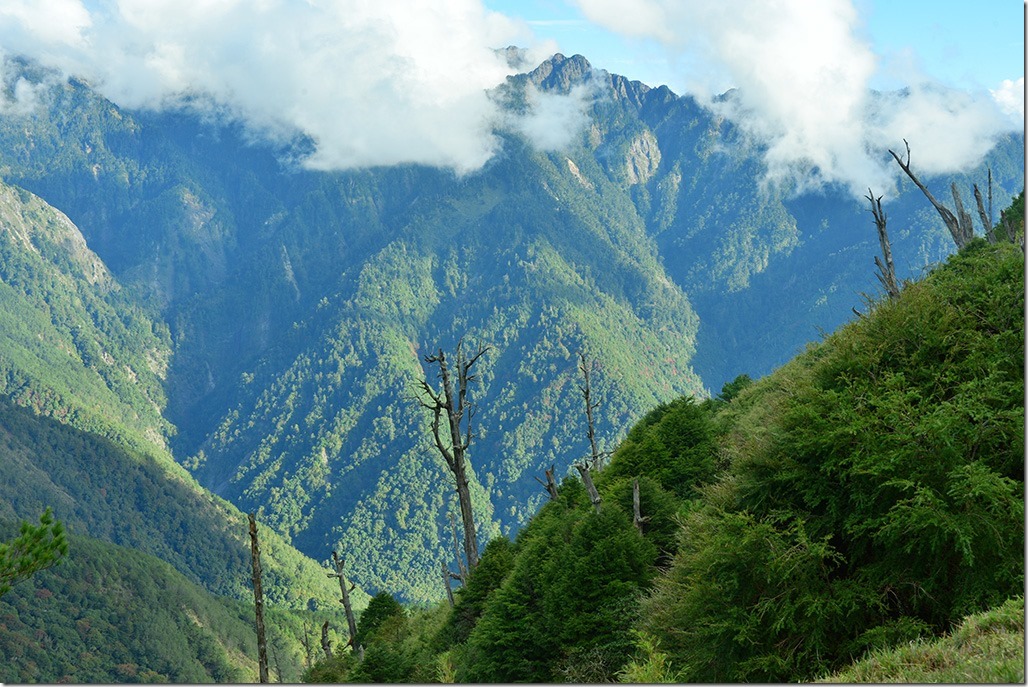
pixel 875 489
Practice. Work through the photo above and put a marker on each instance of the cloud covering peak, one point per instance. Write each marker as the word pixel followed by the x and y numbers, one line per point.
pixel 803 77
pixel 375 83
pixel 371 83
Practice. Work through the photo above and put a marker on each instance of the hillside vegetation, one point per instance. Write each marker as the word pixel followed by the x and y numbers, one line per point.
pixel 985 648
pixel 868 494
pixel 110 614
pixel 82 431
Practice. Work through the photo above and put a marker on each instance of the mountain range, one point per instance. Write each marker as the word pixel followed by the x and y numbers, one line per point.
pixel 194 298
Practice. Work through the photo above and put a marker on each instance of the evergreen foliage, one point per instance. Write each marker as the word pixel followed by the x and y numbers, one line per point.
pixel 493 568
pixel 35 548
pixel 109 614
pixel 379 610
pixel 875 490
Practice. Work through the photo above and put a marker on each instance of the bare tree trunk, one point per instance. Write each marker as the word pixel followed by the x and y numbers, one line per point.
pixel 952 223
pixel 258 600
pixel 986 220
pixel 990 197
pixel 887 271
pixel 452 402
pixel 326 644
pixel 587 480
pixel 593 462
pixel 963 217
pixel 589 407
pixel 308 644
pixel 274 657
pixel 550 485
pixel 350 622
pixel 456 549
pixel 637 518
pixel 446 581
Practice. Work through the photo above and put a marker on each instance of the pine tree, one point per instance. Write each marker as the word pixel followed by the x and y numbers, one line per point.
pixel 35 548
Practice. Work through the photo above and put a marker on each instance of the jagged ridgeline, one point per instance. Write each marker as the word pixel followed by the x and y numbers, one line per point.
pixel 292 307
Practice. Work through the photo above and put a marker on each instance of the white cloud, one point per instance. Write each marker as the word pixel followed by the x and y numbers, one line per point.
pixel 553 121
pixel 1010 98
pixel 803 76
pixel 948 130
pixel 18 96
pixel 372 83
pixel 47 21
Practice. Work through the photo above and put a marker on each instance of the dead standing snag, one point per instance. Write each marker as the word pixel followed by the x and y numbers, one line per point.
pixel 451 402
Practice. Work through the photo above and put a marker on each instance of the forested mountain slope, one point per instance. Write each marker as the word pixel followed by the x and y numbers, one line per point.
pixel 293 307
pixel 111 614
pixel 82 432
pixel 868 493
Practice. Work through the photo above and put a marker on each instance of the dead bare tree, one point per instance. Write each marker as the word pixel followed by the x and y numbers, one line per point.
pixel 637 517
pixel 258 600
pixel 886 271
pixel 959 223
pixel 1008 222
pixel 986 219
pixel 326 643
pixel 593 461
pixel 446 582
pixel 306 640
pixel 274 656
pixel 463 574
pixel 350 622
pixel 452 403
pixel 550 485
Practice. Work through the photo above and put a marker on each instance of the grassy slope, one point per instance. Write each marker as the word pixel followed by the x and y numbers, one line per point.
pixel 986 647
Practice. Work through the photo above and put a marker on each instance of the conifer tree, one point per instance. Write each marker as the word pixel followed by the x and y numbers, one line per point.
pixel 35 548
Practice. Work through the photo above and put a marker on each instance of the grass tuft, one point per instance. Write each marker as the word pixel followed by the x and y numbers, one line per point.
pixel 985 648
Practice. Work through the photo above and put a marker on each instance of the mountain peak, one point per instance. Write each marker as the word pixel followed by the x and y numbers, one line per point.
pixel 560 73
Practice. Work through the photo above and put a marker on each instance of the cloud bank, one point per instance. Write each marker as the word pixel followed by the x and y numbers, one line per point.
pixel 376 83
pixel 371 83
pixel 803 79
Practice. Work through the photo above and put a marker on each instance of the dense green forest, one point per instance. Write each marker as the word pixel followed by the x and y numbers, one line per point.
pixel 109 614
pixel 82 433
pixel 865 495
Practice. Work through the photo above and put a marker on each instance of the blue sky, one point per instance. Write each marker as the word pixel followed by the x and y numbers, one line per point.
pixel 945 40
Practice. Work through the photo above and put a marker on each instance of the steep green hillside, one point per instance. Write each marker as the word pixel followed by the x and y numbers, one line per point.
pixel 109 614
pixel 874 488
pixel 78 349
pixel 867 494
pixel 99 489
pixel 525 281
pixel 75 346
